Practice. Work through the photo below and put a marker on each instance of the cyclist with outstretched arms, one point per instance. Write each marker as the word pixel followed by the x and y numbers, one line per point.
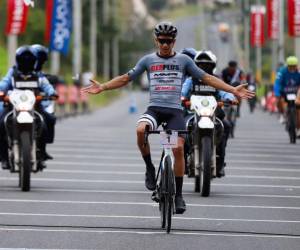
pixel 166 72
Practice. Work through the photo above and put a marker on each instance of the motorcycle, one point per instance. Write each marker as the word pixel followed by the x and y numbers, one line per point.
pixel 201 158
pixel 24 126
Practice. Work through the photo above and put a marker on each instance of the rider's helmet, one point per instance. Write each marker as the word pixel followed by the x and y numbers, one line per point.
pixel 165 28
pixel 25 59
pixel 206 60
pixel 41 53
pixel 190 52
pixel 292 61
pixel 232 64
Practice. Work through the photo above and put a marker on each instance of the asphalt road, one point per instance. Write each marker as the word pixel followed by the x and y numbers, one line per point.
pixel 92 196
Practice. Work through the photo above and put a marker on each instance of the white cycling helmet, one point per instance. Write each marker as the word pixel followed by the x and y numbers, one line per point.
pixel 206 60
pixel 205 56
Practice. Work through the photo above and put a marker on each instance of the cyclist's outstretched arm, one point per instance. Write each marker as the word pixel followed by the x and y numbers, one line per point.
pixel 115 83
pixel 239 91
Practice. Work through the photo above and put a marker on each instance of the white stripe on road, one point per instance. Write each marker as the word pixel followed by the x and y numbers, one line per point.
pixel 69 171
pixel 146 217
pixel 283 163
pixel 142 182
pixel 115 156
pixel 162 232
pixel 134 203
pixel 148 192
pixel 141 165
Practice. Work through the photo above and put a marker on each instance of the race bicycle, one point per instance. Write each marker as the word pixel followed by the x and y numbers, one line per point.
pixel 165 190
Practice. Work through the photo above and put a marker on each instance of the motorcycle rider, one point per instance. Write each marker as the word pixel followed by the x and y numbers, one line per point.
pixel 24 68
pixel 233 76
pixel 166 71
pixel 251 86
pixel 41 53
pixel 287 77
pixel 207 61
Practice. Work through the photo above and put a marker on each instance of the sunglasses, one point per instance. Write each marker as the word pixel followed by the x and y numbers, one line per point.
pixel 165 41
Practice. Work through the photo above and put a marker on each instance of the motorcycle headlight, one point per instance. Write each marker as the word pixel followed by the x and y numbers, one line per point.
pixel 204 102
pixel 23 98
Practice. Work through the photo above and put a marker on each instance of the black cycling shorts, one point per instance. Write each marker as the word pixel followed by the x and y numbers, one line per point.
pixel 155 116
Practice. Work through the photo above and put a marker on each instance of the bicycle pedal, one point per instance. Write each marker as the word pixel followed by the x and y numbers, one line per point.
pixel 155 197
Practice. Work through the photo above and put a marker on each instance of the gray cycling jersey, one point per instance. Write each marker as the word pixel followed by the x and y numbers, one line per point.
pixel 166 76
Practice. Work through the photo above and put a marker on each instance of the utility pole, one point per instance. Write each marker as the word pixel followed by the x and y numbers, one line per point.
pixel 115 42
pixel 12 44
pixel 246 35
pixel 203 26
pixel 106 45
pixel 281 32
pixel 93 37
pixel 55 62
pixel 77 29
pixel 275 27
pixel 259 49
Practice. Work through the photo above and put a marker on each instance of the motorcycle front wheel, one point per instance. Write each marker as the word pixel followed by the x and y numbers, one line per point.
pixel 205 172
pixel 25 167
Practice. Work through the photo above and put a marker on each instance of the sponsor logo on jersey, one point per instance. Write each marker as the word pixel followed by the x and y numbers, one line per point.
pixel 165 88
pixel 160 67
pixel 166 74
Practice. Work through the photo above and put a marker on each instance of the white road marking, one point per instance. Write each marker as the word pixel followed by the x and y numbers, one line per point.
pixel 148 192
pixel 162 232
pixel 147 217
pixel 141 165
pixel 100 172
pixel 142 182
pixel 134 203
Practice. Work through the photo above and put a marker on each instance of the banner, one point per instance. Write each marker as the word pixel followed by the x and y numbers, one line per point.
pixel 49 12
pixel 257 26
pixel 16 17
pixel 61 26
pixel 293 8
pixel 273 18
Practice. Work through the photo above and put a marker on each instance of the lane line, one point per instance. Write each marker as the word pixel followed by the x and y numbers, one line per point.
pixel 142 182
pixel 141 164
pixel 144 232
pixel 152 204
pixel 101 172
pixel 148 192
pixel 146 217
pixel 137 158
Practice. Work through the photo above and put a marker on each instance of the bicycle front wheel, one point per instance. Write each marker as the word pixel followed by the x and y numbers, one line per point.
pixel 170 191
pixel 292 124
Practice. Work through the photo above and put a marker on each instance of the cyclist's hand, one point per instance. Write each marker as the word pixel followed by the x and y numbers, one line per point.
pixel 242 92
pixel 94 88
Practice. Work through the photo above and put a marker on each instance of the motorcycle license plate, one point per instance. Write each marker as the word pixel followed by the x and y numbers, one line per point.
pixel 169 141
pixel 29 84
pixel 291 97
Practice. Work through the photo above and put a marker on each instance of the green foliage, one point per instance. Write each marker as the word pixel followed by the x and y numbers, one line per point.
pixel 3 61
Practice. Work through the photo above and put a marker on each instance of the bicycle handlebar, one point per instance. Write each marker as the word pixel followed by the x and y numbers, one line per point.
pixel 167 131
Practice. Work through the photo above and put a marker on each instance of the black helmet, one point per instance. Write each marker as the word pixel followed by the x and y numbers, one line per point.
pixel 190 52
pixel 41 54
pixel 165 28
pixel 25 59
pixel 232 64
